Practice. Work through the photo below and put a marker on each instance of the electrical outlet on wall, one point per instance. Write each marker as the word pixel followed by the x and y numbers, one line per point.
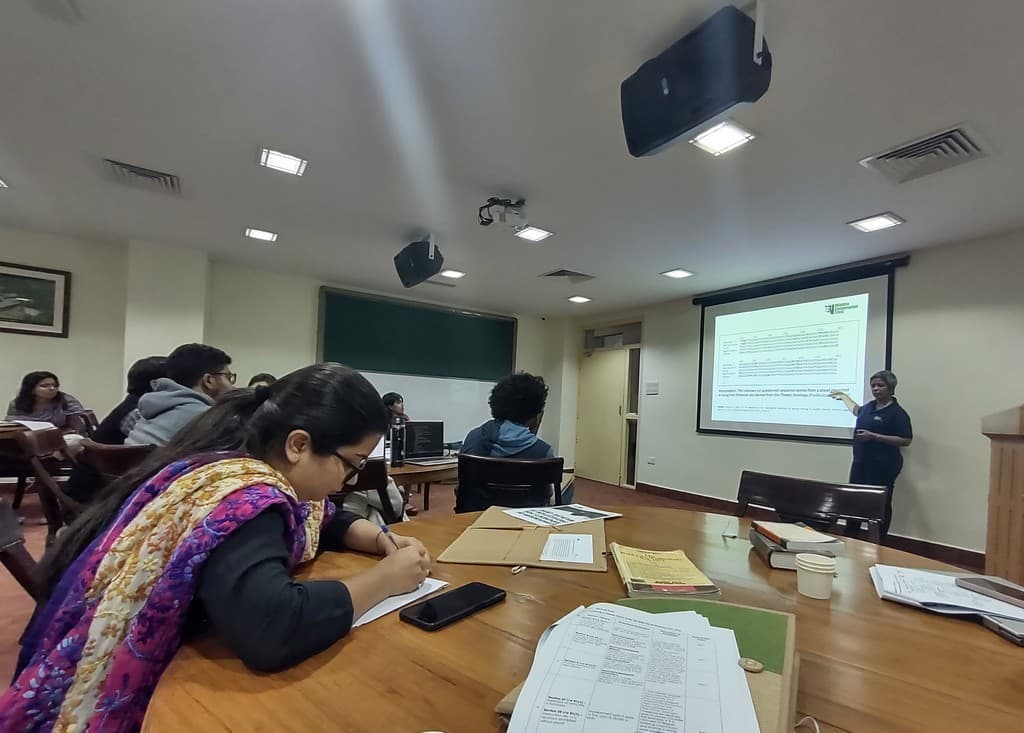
pixel 651 461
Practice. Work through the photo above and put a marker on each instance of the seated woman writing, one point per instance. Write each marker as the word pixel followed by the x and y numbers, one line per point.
pixel 211 527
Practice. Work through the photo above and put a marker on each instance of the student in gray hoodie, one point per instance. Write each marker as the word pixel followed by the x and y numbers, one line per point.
pixel 517 406
pixel 196 375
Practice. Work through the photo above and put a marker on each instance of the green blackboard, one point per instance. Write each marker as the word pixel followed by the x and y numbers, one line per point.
pixel 400 337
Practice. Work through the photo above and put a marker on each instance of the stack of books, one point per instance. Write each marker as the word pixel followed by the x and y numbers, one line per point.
pixel 778 543
pixel 659 574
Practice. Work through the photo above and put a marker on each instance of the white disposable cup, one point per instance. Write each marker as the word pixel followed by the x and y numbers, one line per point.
pixel 814 574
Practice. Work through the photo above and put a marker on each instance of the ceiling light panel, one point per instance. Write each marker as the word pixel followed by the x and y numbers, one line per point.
pixel 722 138
pixel 533 234
pixel 261 234
pixel 877 222
pixel 278 161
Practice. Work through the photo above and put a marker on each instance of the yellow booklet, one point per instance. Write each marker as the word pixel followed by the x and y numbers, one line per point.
pixel 659 574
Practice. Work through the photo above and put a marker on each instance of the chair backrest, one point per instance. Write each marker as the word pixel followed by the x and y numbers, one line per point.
pixel 818 500
pixel 113 461
pixel 511 482
pixel 373 477
pixel 39 447
pixel 83 422
pixel 40 443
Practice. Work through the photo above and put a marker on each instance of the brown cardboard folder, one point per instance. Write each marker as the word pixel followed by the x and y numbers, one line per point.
pixel 496 538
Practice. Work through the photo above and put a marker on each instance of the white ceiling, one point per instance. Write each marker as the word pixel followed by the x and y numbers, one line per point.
pixel 412 112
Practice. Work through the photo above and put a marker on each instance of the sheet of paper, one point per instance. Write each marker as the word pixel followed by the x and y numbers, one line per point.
pixel 35 424
pixel 568 548
pixel 608 669
pixel 938 592
pixel 557 516
pixel 392 604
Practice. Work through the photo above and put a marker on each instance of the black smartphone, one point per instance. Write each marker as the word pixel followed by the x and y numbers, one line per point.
pixel 439 611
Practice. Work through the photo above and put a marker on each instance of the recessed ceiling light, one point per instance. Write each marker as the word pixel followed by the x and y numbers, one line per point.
pixel 579 299
pixel 3 184
pixel 533 234
pixel 722 138
pixel 677 274
pixel 876 222
pixel 453 274
pixel 261 235
pixel 283 162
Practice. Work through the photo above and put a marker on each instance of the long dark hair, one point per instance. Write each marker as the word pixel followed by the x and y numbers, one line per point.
pixel 336 405
pixel 26 401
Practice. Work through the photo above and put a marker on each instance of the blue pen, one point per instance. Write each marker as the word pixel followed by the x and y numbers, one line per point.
pixel 384 529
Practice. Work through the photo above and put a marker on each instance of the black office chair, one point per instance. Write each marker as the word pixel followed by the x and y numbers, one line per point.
pixel 509 482
pixel 818 503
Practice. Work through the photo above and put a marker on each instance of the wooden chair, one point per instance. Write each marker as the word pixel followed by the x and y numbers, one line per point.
pixel 511 482
pixel 39 448
pixel 83 422
pixel 113 461
pixel 373 477
pixel 13 554
pixel 817 502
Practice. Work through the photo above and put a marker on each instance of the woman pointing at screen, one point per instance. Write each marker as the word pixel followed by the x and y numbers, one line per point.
pixel 883 427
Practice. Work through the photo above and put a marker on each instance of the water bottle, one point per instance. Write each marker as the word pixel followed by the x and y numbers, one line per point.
pixel 398 443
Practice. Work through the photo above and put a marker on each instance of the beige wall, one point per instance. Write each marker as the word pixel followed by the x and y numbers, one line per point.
pixel 958 343
pixel 165 300
pixel 88 362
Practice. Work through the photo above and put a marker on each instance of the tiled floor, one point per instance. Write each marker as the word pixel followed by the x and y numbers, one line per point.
pixel 16 607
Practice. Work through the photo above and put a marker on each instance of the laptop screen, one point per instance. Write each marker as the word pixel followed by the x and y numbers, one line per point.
pixel 424 439
pixel 378 452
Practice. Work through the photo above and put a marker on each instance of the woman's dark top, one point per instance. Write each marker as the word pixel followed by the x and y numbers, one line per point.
pixel 875 462
pixel 269 620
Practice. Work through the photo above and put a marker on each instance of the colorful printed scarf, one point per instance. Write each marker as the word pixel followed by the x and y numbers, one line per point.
pixel 93 657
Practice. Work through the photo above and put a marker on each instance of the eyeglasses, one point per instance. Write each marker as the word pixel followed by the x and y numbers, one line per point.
pixel 352 475
pixel 230 375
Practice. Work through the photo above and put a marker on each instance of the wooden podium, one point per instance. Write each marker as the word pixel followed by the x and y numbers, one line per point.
pixel 1004 546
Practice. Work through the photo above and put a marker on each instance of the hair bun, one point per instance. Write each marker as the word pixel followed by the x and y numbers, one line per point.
pixel 262 393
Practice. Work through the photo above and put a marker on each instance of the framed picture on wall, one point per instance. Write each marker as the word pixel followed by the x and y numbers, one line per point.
pixel 34 300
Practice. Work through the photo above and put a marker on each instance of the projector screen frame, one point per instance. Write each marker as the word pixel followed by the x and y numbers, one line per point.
pixel 818 278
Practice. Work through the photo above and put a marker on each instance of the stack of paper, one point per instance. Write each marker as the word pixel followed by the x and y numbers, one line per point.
pixel 608 668
pixel 936 592
pixel 558 516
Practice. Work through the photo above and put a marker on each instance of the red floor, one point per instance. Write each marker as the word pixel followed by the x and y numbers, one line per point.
pixel 16 606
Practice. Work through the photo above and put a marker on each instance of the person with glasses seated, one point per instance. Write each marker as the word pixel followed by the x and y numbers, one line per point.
pixel 208 532
pixel 196 375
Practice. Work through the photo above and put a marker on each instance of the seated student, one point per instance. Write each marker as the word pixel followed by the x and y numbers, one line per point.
pixel 263 379
pixel 396 407
pixel 517 406
pixel 85 480
pixel 40 399
pixel 220 517
pixel 115 427
pixel 196 375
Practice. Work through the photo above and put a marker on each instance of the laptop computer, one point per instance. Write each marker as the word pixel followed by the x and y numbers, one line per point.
pixel 424 443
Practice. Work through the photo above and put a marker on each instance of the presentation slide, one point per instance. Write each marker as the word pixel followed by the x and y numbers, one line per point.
pixel 770 363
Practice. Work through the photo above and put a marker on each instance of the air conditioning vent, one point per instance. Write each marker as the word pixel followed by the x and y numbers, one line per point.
pixel 931 154
pixel 570 275
pixel 139 177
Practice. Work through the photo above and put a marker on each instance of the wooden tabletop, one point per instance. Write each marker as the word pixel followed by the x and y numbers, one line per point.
pixel 412 474
pixel 866 664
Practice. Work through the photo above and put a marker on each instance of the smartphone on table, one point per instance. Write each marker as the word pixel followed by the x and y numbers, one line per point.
pixel 439 611
pixel 1001 590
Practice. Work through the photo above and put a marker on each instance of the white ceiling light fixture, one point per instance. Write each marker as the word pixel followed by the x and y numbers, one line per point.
pixel 722 138
pixel 533 234
pixel 261 234
pixel 453 274
pixel 677 274
pixel 278 161
pixel 885 220
pixel 3 183
pixel 579 299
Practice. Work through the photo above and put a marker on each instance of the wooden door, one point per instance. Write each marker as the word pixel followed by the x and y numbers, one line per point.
pixel 600 424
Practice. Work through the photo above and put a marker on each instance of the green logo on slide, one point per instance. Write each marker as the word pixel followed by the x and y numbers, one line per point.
pixel 836 309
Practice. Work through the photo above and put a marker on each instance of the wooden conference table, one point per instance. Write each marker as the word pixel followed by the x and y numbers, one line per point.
pixel 412 475
pixel 866 664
